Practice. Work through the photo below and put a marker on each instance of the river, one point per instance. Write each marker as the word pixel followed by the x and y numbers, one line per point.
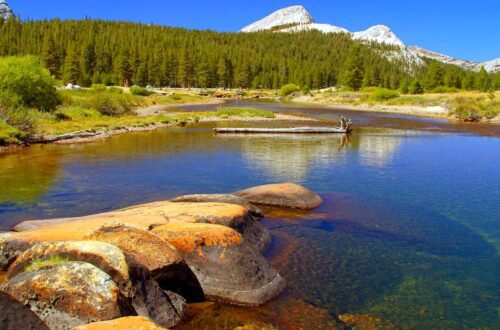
pixel 409 231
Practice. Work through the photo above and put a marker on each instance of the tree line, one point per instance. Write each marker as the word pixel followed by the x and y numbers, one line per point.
pixel 90 52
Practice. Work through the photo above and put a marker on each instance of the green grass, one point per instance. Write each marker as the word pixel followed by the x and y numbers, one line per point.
pixel 9 134
pixel 244 112
pixel 41 263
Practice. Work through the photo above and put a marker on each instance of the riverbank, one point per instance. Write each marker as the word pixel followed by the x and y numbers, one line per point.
pixel 446 106
pixel 85 129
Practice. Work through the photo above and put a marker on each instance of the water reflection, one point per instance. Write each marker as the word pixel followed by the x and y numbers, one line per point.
pixel 378 150
pixel 290 157
pixel 25 177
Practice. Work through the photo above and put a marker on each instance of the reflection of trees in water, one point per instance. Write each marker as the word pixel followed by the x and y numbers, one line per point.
pixel 378 150
pixel 290 157
pixel 26 176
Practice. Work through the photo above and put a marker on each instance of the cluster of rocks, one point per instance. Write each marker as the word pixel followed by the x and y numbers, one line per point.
pixel 139 267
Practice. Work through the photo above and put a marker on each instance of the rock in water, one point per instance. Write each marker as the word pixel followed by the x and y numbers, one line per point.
pixel 104 256
pixel 124 323
pixel 227 266
pixel 287 195
pixel 5 11
pixel 16 315
pixel 144 248
pixel 66 295
pixel 220 198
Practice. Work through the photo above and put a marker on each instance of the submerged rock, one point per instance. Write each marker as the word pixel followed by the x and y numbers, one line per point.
pixel 147 249
pixel 221 198
pixel 66 295
pixel 228 268
pixel 124 323
pixel 287 195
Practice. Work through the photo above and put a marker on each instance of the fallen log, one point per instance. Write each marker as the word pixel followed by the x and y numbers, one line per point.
pixel 291 130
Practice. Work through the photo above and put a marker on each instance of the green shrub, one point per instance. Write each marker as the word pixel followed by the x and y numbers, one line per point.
pixel 444 89
pixel 72 113
pixel 289 89
pixel 306 90
pixel 115 90
pixel 23 120
pixel 27 79
pixel 416 87
pixel 9 134
pixel 99 88
pixel 382 94
pixel 244 112
pixel 136 90
pixel 175 97
pixel 110 104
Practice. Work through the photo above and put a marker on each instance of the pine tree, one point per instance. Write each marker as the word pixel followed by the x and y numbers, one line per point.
pixel 434 76
pixel 51 56
pixel 353 69
pixel 124 71
pixel 72 73
pixel 483 81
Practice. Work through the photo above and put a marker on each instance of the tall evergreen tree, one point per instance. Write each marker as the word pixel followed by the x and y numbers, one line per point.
pixel 51 56
pixel 353 69
pixel 72 73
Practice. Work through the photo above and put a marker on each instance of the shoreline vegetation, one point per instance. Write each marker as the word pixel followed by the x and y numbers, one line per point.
pixel 34 110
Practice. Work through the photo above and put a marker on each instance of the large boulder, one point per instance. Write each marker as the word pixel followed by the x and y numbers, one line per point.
pixel 286 195
pixel 133 280
pixel 16 315
pixel 227 266
pixel 220 198
pixel 146 217
pixel 104 256
pixel 68 294
pixel 124 323
pixel 147 249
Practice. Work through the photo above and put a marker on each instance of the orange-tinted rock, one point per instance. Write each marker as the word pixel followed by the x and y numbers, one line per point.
pixel 228 268
pixel 288 195
pixel 220 198
pixel 145 248
pixel 15 315
pixel 66 295
pixel 104 256
pixel 124 323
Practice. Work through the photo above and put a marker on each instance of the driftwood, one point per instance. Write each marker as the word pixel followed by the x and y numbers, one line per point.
pixel 345 127
pixel 291 130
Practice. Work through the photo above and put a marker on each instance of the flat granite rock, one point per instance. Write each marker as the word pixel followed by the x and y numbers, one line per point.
pixel 227 266
pixel 220 198
pixel 147 249
pixel 124 323
pixel 286 195
pixel 69 294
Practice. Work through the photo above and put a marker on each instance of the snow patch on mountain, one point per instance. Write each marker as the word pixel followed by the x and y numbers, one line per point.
pixel 285 16
pixel 490 66
pixel 296 19
pixel 5 10
pixel 381 34
pixel 325 28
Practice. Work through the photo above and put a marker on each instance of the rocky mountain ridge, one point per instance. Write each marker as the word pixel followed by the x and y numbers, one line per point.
pixel 297 18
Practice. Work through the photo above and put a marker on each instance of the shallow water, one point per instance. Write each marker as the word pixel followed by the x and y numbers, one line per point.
pixel 409 231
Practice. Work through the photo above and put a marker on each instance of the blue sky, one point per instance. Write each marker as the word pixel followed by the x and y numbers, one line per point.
pixel 460 28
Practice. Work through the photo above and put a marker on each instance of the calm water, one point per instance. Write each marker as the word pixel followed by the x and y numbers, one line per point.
pixel 409 231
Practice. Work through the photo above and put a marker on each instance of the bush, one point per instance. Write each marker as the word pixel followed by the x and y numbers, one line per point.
pixel 444 89
pixel 244 112
pixel 99 88
pixel 115 90
pixel 467 109
pixel 306 90
pixel 416 87
pixel 27 79
pixel 20 124
pixel 289 89
pixel 72 113
pixel 383 94
pixel 136 90
pixel 110 104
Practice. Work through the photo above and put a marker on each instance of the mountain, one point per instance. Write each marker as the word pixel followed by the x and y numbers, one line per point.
pixel 5 11
pixel 297 18
pixel 291 15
